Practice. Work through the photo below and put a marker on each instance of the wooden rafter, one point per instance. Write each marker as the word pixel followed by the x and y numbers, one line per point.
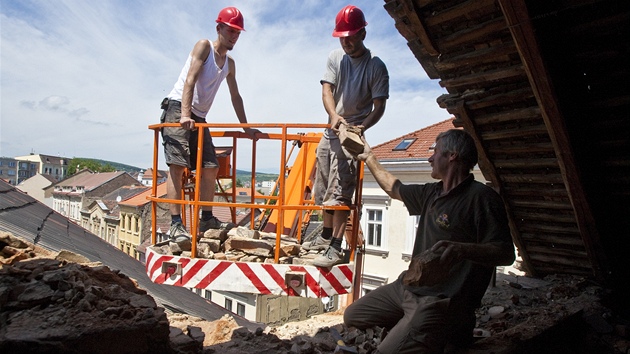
pixel 521 29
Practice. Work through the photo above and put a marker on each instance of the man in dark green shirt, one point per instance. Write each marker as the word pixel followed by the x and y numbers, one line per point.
pixel 465 223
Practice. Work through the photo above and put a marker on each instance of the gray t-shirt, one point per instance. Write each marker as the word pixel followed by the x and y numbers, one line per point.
pixel 357 82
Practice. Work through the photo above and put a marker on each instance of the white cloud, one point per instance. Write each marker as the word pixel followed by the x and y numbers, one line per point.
pixel 85 78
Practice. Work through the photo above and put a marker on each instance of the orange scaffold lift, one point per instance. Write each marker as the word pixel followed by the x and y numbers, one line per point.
pixel 286 212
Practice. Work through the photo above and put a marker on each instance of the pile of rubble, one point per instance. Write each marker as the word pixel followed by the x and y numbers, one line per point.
pixel 60 303
pixel 241 244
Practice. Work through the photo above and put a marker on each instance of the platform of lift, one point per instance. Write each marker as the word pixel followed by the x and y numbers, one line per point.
pixel 287 211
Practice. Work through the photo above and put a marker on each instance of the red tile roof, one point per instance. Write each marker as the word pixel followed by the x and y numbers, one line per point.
pixel 419 149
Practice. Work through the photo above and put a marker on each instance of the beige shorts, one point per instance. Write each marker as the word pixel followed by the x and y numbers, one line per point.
pixel 180 145
pixel 336 173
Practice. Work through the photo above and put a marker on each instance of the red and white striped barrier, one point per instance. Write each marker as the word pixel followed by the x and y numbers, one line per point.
pixel 249 277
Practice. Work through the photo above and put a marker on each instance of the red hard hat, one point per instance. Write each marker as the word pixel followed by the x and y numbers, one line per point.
pixel 232 17
pixel 349 21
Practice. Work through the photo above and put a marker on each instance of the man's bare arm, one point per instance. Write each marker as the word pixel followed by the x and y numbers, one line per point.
pixel 331 107
pixel 376 114
pixel 237 100
pixel 388 182
pixel 199 54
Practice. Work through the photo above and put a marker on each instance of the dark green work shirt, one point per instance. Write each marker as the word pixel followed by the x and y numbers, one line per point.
pixel 472 213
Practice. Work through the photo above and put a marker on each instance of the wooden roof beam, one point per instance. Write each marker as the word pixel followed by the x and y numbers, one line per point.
pixel 522 31
pixel 410 23
pixel 490 173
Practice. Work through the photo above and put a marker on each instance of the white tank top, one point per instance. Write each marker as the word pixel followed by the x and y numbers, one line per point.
pixel 207 84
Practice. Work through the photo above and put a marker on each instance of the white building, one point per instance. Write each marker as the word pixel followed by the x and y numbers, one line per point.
pixel 55 166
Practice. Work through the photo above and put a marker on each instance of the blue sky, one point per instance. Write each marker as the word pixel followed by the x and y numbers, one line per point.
pixel 85 78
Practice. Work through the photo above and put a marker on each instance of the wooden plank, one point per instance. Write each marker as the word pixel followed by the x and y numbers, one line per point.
pixel 479 34
pixel 519 114
pixel 424 58
pixel 515 133
pixel 526 163
pixel 515 98
pixel 558 251
pixel 551 229
pixel 520 190
pixel 484 78
pixel 460 10
pixel 406 12
pixel 516 149
pixel 522 31
pixel 552 239
pixel 493 54
pixel 540 204
pixel 546 217
pixel 532 178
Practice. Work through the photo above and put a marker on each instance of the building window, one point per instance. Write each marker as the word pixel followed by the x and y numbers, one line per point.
pixel 198 291
pixel 404 144
pixel 374 234
pixel 412 229
pixel 240 309
pixel 228 304
pixel 208 295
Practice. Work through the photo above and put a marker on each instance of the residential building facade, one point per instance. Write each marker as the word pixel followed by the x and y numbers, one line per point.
pixel 102 216
pixel 145 177
pixel 8 170
pixel 36 188
pixel 55 166
pixel 135 221
pixel 71 195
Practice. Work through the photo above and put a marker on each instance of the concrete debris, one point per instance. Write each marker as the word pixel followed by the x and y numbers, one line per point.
pixel 49 304
pixel 244 245
pixel 425 269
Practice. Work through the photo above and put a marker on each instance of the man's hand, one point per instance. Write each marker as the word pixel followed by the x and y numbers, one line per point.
pixel 367 151
pixel 452 252
pixel 252 133
pixel 335 122
pixel 187 123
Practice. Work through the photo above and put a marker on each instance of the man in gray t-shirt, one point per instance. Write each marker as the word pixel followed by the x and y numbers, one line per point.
pixel 355 88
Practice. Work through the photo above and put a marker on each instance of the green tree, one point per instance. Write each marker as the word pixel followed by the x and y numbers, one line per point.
pixel 78 164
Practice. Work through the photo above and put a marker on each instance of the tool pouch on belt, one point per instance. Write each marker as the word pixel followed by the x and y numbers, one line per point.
pixel 164 106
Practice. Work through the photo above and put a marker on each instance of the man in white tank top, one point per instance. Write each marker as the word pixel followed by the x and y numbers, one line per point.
pixel 188 103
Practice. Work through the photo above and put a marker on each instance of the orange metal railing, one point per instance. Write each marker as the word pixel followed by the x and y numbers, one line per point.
pixel 289 203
